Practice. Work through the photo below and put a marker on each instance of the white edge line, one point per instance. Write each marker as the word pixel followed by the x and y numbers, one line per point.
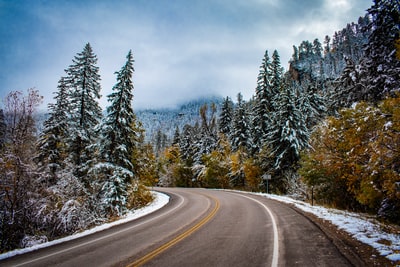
pixel 275 254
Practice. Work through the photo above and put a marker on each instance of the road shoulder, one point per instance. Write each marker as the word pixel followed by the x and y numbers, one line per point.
pixel 358 253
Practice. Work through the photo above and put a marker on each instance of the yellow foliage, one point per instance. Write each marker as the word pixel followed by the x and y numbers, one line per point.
pixel 252 173
pixel 147 172
pixel 360 152
pixel 235 162
pixel 139 196
pixel 172 154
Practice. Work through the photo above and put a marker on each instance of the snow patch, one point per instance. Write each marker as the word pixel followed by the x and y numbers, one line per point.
pixel 388 125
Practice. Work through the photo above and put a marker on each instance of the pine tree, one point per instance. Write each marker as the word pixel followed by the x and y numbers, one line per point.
pixel 263 103
pixel 240 135
pixel 226 117
pixel 52 142
pixel 186 144
pixel 117 142
pixel 318 70
pixel 288 133
pixel 276 73
pixel 348 87
pixel 381 68
pixel 116 130
pixel 84 83
pixel 175 140
pixel 329 65
pixel 312 105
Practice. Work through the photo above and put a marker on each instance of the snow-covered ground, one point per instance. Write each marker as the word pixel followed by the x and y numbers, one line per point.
pixel 160 201
pixel 364 229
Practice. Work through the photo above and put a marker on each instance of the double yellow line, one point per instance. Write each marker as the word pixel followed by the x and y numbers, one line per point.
pixel 177 239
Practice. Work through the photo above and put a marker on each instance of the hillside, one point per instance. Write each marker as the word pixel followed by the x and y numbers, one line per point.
pixel 165 121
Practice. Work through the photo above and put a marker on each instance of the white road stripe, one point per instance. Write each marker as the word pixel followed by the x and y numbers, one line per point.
pixel 275 254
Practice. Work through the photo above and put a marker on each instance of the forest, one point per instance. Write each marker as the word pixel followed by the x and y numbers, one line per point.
pixel 329 127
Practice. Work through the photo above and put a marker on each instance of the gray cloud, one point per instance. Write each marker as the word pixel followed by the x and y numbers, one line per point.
pixel 182 49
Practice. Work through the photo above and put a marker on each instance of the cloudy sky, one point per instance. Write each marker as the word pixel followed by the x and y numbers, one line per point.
pixel 183 49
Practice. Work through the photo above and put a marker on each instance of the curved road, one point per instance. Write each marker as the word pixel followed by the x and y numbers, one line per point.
pixel 200 228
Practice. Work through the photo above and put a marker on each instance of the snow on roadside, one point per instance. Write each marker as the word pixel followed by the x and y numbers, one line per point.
pixel 366 230
pixel 160 201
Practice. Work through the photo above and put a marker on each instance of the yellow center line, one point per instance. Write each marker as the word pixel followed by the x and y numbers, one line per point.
pixel 177 239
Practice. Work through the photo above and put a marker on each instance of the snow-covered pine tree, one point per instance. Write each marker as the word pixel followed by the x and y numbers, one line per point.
pixel 52 143
pixel 116 130
pixel 186 143
pixel 381 68
pixel 175 140
pixel 317 68
pixel 226 117
pixel 117 143
pixel 348 87
pixel 83 81
pixel 288 133
pixel 276 73
pixel 241 132
pixel 263 105
pixel 311 103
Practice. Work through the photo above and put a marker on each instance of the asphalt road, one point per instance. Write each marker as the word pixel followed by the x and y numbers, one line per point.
pixel 200 228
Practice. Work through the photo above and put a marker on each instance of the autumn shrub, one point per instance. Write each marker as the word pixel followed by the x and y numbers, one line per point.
pixel 215 174
pixel 236 171
pixel 354 161
pixel 139 196
pixel 252 174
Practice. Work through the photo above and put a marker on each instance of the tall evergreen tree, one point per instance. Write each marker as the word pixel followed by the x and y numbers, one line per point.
pixel 175 140
pixel 317 60
pixel 186 143
pixel 276 73
pixel 116 130
pixel 117 142
pixel 348 87
pixel 263 105
pixel 311 104
pixel 226 117
pixel 84 83
pixel 381 68
pixel 52 142
pixel 240 135
pixel 288 133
